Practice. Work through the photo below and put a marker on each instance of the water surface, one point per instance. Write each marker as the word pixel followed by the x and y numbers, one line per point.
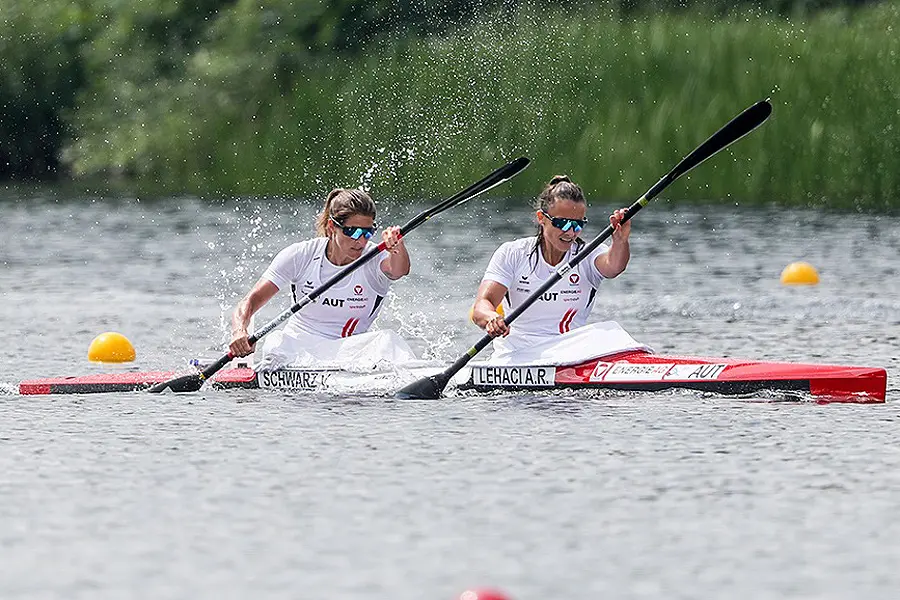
pixel 243 494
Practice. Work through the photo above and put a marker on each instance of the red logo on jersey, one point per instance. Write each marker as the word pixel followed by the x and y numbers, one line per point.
pixel 358 290
pixel 574 278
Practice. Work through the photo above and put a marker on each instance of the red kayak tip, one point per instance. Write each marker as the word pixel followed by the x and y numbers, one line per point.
pixel 483 594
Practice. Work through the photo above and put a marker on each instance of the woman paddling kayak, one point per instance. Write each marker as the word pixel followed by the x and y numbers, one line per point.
pixel 335 328
pixel 521 266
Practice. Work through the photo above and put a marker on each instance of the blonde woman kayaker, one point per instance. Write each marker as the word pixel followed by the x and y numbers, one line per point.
pixel 334 329
pixel 554 326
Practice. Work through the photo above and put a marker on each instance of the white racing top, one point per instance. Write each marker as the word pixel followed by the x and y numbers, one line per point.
pixel 350 307
pixel 566 306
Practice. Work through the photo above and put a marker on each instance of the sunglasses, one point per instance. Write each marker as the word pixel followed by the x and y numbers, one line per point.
pixel 564 224
pixel 355 233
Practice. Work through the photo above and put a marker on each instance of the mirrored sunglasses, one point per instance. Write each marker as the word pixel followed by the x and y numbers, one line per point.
pixel 564 224
pixel 355 232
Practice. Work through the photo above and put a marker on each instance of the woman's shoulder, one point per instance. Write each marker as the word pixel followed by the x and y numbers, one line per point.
pixel 521 246
pixel 513 251
pixel 300 252
pixel 307 246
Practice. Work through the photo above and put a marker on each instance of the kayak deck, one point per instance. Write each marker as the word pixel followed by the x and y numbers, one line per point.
pixel 627 371
pixel 95 384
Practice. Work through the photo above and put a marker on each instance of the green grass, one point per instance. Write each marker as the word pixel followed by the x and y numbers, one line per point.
pixel 615 104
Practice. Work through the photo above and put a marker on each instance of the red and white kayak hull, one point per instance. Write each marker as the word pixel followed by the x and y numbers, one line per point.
pixel 628 371
pixel 642 371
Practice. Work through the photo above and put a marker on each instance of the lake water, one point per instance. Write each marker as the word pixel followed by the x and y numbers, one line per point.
pixel 271 495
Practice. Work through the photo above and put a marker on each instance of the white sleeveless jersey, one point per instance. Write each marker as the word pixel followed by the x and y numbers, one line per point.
pixel 565 306
pixel 347 308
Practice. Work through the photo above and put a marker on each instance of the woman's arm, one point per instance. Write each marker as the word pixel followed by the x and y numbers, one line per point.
pixel 484 312
pixel 612 263
pixel 261 293
pixel 396 265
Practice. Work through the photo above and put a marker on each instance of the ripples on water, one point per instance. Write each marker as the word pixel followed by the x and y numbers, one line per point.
pixel 242 494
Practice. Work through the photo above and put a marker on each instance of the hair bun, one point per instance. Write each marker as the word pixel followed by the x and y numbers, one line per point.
pixel 559 179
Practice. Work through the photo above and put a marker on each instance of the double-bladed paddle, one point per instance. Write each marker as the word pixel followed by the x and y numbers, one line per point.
pixel 194 381
pixel 431 387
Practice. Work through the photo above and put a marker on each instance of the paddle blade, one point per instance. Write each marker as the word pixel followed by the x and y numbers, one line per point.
pixel 501 175
pixel 731 132
pixel 186 383
pixel 512 169
pixel 427 388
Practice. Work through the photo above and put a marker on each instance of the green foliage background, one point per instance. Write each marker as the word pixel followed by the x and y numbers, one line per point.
pixel 419 98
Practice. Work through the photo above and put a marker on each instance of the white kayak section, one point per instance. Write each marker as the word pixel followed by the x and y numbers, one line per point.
pixel 372 363
pixel 383 350
pixel 574 347
pixel 344 382
pixel 364 353
pixel 380 362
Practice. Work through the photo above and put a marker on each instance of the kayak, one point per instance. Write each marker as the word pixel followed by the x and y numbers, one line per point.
pixel 626 371
pixel 645 371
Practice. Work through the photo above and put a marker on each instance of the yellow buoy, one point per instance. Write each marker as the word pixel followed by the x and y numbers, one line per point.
pixel 111 347
pixel 799 273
